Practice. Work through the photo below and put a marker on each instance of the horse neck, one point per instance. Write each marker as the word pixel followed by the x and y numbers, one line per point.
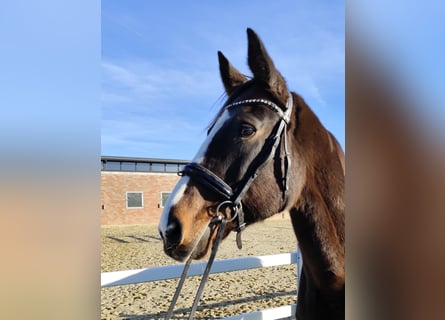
pixel 318 214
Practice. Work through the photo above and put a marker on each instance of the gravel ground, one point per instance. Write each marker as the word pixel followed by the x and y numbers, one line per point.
pixel 135 247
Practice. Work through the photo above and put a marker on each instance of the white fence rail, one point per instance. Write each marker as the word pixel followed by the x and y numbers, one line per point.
pixel 126 277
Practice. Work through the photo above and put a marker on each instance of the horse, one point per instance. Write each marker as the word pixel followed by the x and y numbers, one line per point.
pixel 266 153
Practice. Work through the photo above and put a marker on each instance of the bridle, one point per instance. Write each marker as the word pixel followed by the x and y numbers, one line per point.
pixel 232 197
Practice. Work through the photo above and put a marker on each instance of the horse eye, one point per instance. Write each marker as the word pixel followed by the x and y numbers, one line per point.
pixel 247 131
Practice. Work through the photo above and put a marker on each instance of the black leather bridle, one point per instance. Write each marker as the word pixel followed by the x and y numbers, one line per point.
pixel 232 197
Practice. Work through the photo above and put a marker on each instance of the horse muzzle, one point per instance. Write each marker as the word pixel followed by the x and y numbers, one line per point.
pixel 176 246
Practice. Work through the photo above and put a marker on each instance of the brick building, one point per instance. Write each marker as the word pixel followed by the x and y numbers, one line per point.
pixel 134 190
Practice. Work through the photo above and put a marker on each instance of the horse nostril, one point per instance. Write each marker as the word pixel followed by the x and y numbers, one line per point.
pixel 173 234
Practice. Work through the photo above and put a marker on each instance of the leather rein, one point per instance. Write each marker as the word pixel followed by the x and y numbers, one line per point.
pixel 232 198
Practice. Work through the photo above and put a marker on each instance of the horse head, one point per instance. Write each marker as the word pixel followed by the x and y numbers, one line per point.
pixel 237 144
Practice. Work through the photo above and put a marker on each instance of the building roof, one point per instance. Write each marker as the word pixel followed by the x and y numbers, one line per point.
pixel 137 159
pixel 134 164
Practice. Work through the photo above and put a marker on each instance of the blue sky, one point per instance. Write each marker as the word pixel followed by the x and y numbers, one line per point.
pixel 160 78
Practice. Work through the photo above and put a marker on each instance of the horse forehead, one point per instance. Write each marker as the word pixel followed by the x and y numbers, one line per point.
pixel 200 155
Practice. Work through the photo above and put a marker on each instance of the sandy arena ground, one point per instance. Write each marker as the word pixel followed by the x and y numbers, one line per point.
pixel 135 247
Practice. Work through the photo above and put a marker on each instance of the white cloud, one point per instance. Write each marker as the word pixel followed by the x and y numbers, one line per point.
pixel 143 77
pixel 119 74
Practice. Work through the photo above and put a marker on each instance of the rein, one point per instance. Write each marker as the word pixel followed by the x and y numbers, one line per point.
pixel 215 220
pixel 233 198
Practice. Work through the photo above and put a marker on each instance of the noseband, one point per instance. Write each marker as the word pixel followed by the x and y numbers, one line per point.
pixel 232 198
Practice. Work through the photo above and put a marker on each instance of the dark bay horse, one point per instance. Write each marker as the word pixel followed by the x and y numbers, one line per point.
pixel 266 152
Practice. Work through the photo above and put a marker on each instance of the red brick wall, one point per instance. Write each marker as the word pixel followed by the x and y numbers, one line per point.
pixel 114 186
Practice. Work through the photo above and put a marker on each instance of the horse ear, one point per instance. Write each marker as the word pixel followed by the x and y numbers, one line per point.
pixel 230 76
pixel 263 67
